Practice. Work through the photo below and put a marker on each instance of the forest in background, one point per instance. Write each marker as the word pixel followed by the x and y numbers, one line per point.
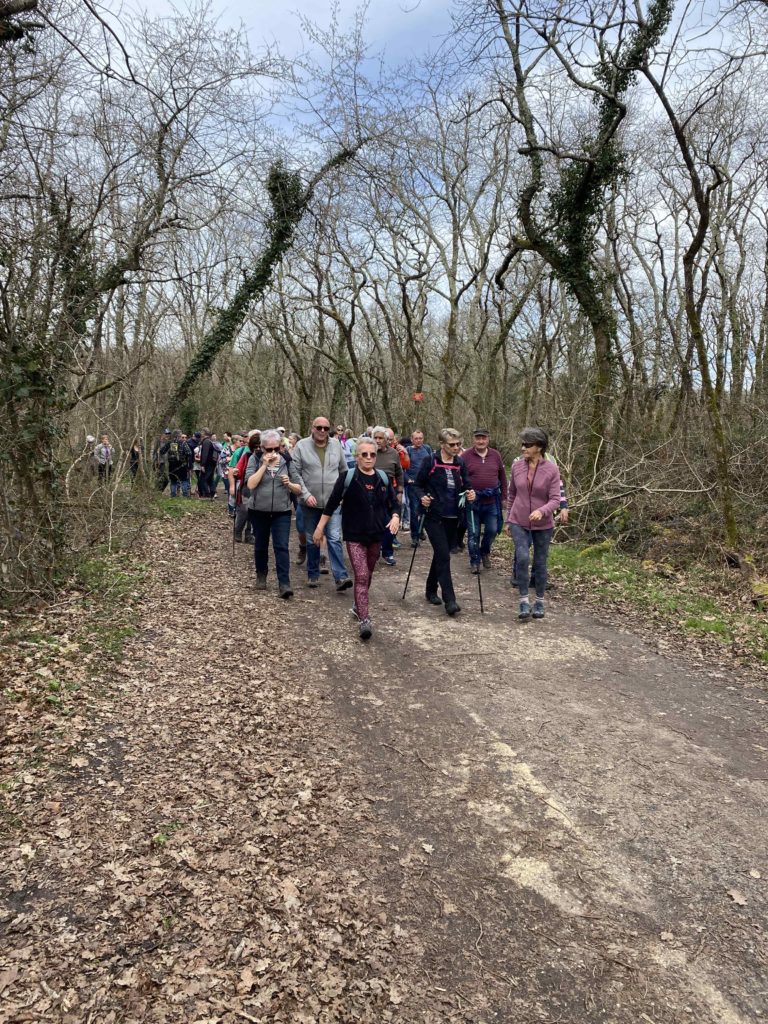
pixel 559 219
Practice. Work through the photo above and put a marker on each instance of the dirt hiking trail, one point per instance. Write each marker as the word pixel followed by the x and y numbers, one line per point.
pixel 258 818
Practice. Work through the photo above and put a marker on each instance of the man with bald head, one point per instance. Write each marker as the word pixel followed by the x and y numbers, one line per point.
pixel 320 460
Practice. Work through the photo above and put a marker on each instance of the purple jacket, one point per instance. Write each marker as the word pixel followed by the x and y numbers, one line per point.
pixel 543 495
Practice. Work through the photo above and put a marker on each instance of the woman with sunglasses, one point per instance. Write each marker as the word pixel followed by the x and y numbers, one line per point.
pixel 271 480
pixel 442 487
pixel 534 497
pixel 368 508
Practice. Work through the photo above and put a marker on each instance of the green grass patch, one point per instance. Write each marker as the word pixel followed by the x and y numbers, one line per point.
pixel 709 625
pixel 698 601
pixel 178 508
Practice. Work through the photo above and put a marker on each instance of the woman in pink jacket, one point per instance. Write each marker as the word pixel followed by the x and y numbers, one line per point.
pixel 534 497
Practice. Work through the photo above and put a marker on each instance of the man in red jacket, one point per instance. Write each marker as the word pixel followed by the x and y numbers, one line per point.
pixel 487 477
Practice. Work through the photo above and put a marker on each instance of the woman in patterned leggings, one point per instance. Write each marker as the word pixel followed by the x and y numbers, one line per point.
pixel 368 507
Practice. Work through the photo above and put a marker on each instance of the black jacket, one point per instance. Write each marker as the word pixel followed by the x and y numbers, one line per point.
pixel 363 521
pixel 208 453
pixel 432 480
pixel 178 456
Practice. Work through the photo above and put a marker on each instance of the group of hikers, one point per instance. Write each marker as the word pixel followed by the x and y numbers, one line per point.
pixel 367 491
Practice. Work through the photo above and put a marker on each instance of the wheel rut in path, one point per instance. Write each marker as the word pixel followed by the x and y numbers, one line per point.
pixel 572 824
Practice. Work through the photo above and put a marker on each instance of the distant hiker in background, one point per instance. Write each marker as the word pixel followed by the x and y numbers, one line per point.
pixel 418 453
pixel 208 458
pixel 104 459
pixel 222 468
pixel 388 459
pixel 176 453
pixel 241 486
pixel 134 459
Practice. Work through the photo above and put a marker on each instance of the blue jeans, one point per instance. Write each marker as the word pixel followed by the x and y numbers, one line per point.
pixel 485 518
pixel 415 508
pixel 179 487
pixel 387 546
pixel 278 525
pixel 540 539
pixel 311 517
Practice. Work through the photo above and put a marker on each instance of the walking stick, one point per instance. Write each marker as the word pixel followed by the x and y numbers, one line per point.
pixel 413 556
pixel 477 540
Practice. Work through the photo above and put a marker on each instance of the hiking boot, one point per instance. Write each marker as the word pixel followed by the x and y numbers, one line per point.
pixel 414 543
pixel 433 599
pixel 452 608
pixel 366 629
pixel 238 538
pixel 324 565
pixel 525 610
pixel 486 560
pixel 396 543
pixel 285 591
pixel 475 570
pixel 538 610
pixel 313 582
pixel 261 581
pixel 302 557
pixel 389 560
pixel 344 584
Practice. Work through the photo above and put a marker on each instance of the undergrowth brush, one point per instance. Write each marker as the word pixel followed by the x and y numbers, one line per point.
pixel 696 601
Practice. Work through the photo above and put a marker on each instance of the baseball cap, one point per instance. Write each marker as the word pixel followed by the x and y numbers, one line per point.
pixel 481 432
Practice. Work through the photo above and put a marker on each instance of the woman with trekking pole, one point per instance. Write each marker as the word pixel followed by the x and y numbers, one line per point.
pixel 534 497
pixel 369 506
pixel 443 488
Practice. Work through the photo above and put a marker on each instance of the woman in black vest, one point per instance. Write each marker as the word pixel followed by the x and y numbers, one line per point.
pixel 443 487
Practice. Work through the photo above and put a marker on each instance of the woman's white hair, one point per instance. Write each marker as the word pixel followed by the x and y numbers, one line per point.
pixel 271 436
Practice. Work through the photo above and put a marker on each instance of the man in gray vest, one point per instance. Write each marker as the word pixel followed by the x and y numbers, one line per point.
pixel 319 460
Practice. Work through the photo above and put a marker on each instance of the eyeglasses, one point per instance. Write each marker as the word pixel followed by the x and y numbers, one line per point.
pixel 270 449
pixel 321 428
pixel 453 444
pixel 367 455
pixel 524 446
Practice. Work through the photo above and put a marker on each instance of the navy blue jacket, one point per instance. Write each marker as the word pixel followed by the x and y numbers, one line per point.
pixel 432 480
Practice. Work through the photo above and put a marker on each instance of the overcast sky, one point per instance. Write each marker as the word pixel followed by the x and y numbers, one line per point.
pixel 400 29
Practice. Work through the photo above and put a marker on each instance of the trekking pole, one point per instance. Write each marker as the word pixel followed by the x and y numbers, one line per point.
pixel 419 533
pixel 234 522
pixel 477 541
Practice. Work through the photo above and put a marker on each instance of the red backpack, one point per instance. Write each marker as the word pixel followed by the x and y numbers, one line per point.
pixel 240 468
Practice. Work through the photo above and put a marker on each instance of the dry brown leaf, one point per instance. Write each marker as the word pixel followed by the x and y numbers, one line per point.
pixel 290 894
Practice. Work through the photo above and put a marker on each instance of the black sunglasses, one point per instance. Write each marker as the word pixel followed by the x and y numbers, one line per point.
pixel 321 428
pixel 270 449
